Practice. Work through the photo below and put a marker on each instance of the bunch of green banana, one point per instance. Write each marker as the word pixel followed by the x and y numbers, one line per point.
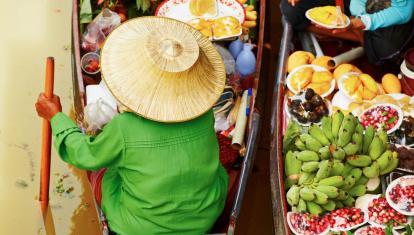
pixel 332 164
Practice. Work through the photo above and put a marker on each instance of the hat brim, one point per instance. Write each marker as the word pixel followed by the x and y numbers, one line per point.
pixel 140 85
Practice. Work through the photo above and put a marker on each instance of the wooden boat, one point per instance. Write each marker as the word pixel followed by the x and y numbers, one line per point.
pixel 228 221
pixel 279 118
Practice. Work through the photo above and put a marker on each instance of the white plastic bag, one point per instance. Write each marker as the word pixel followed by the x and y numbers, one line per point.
pixel 98 114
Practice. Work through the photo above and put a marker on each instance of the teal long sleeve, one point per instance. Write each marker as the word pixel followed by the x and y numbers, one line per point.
pixel 400 12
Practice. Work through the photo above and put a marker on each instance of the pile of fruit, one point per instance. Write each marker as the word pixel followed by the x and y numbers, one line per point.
pixel 383 117
pixel 370 230
pixel 328 166
pixel 308 107
pixel 305 77
pixel 381 213
pixel 359 86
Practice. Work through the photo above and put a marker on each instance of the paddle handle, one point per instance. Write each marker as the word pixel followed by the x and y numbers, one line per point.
pixel 46 136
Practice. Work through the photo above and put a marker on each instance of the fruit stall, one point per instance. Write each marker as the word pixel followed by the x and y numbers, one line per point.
pixel 342 138
pixel 236 30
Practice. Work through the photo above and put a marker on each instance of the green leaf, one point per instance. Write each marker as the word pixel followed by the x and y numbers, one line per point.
pixel 143 5
pixel 391 120
pixel 408 229
pixel 388 230
pixel 85 13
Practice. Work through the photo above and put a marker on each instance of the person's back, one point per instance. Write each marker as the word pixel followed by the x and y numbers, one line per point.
pixel 170 179
pixel 161 178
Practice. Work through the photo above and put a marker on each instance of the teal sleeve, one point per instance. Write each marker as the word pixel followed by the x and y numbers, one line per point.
pixel 357 7
pixel 400 12
pixel 87 152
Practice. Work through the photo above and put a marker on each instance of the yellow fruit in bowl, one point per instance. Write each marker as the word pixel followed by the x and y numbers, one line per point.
pixel 324 61
pixel 369 82
pixel 322 76
pixel 320 88
pixel 351 84
pixel 368 94
pixel 203 7
pixel 359 94
pixel 301 79
pixel 299 58
pixel 391 83
pixel 343 69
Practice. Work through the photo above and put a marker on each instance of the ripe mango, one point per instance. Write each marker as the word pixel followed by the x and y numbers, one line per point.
pixel 320 88
pixel 343 69
pixel 369 82
pixel 324 61
pixel 391 83
pixel 351 84
pixel 322 76
pixel 367 94
pixel 299 58
pixel 301 79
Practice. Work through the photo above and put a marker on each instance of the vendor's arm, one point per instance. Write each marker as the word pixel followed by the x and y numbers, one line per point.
pixel 400 12
pixel 357 7
pixel 86 152
pixel 73 146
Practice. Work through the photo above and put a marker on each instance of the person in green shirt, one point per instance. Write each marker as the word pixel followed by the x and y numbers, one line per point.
pixel 163 174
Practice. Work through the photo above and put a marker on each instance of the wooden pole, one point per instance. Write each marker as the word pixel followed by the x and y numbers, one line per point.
pixel 46 139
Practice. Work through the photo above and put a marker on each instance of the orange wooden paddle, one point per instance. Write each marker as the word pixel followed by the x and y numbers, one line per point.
pixel 46 139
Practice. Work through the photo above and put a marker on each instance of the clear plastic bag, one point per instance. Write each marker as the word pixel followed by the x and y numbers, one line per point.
pixel 98 29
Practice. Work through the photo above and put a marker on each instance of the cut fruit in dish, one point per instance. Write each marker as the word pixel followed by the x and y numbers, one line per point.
pixel 400 195
pixel 328 17
pixel 346 219
pixel 203 8
pixel 302 223
pixel 372 230
pixel 387 117
pixel 359 87
pixel 381 214
pixel 311 76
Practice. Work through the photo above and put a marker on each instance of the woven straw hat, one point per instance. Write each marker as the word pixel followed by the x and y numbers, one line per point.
pixel 162 69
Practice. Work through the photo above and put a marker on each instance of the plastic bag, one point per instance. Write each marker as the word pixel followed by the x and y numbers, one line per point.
pixel 228 59
pixel 98 114
pixel 98 29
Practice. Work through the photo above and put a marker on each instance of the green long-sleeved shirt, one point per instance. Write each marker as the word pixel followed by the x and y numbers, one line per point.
pixel 161 178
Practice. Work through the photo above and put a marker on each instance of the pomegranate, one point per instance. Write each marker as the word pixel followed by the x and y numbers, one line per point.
pixel 307 224
pixel 381 213
pixel 346 218
pixel 370 230
pixel 383 117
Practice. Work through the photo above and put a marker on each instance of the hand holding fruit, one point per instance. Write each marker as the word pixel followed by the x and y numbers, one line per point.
pixel 48 108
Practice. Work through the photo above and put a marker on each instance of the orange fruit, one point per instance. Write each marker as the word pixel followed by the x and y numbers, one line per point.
pixel 322 76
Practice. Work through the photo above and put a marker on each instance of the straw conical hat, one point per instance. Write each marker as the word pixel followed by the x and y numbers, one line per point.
pixel 162 69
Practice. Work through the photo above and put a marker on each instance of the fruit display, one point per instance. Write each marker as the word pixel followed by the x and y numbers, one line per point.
pixel 223 27
pixel 358 86
pixel 385 117
pixel 381 214
pixel 308 107
pixel 370 230
pixel 299 58
pixel 345 131
pixel 400 195
pixel 311 76
pixel 302 223
pixel 344 219
pixel 327 16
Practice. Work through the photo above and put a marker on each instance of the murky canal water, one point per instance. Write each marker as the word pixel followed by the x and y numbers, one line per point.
pixel 31 30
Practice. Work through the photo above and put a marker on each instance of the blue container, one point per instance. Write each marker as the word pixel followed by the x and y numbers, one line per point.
pixel 246 61
pixel 235 48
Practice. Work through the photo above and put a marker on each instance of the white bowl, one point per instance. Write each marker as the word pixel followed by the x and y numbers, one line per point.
pixel 316 68
pixel 399 111
pixel 298 233
pixel 347 22
pixel 403 181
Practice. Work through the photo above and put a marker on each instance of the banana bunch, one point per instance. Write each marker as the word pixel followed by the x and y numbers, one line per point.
pixel 332 164
pixel 250 21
